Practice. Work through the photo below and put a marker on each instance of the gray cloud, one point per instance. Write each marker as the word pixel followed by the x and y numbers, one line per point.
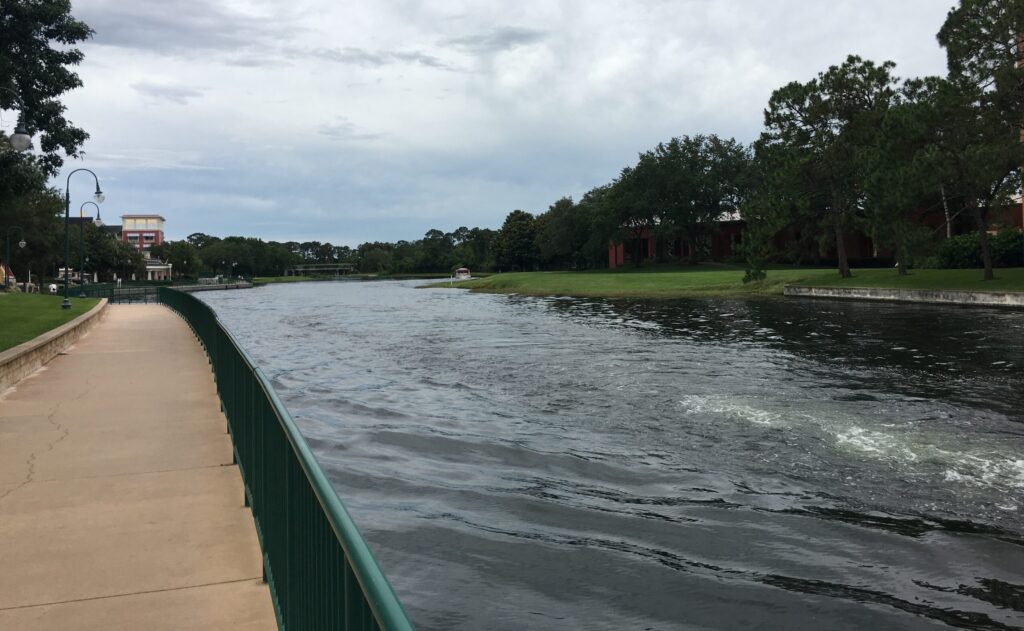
pixel 174 94
pixel 497 40
pixel 180 26
pixel 367 58
pixel 344 129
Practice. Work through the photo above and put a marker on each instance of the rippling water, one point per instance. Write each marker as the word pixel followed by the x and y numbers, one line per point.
pixel 520 462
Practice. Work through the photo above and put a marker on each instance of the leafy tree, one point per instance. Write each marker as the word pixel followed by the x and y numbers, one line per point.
pixel 558 236
pixel 899 175
pixel 200 240
pixel 35 212
pixel 697 180
pixel 979 108
pixel 182 255
pixel 515 246
pixel 824 125
pixel 36 54
pixel 633 201
pixel 375 260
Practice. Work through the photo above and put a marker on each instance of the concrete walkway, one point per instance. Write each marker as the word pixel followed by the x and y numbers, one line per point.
pixel 119 506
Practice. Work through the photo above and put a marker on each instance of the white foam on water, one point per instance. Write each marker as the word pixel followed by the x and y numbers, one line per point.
pixel 958 461
pixel 875 443
pixel 697 404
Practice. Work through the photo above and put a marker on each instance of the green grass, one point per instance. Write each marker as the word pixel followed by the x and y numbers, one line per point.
pixel 25 316
pixel 263 280
pixel 721 281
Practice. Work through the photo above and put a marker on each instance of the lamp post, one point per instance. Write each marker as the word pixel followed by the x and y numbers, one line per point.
pixel 7 256
pixel 81 246
pixel 98 196
pixel 20 140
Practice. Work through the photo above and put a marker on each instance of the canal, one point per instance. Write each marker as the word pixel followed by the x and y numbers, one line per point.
pixel 550 463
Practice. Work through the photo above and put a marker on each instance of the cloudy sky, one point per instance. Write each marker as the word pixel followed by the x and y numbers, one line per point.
pixel 360 121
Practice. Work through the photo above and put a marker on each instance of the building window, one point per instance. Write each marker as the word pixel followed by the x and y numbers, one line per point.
pixel 148 238
pixel 133 237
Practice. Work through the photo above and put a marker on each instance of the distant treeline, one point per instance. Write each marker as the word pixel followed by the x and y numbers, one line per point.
pixel 854 151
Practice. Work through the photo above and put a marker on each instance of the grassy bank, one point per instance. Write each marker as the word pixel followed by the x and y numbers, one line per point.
pixel 25 316
pixel 706 282
pixel 265 280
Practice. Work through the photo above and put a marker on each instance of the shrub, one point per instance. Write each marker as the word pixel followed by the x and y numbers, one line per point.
pixel 964 251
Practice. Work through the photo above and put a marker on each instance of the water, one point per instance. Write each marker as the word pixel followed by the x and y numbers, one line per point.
pixel 548 463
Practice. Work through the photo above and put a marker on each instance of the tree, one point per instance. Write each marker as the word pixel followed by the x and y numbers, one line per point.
pixel 979 108
pixel 632 199
pixel 35 211
pixel 36 53
pixel 558 236
pixel 181 254
pixel 200 240
pixel 515 246
pixel 899 174
pixel 697 180
pixel 824 125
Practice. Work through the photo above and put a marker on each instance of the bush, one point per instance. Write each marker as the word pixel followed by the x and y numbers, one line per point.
pixel 964 251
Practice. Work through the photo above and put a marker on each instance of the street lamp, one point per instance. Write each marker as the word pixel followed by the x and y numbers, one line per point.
pixel 98 196
pixel 7 257
pixel 81 246
pixel 20 140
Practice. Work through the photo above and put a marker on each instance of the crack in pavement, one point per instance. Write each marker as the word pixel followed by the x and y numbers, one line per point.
pixel 30 462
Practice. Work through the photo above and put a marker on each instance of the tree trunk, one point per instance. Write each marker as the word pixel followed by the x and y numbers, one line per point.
pixel 945 209
pixel 844 265
pixel 986 249
pixel 693 251
pixel 901 265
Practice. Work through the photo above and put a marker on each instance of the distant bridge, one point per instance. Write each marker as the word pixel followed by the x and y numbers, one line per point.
pixel 319 268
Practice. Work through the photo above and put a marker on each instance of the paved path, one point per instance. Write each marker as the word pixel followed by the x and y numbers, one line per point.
pixel 119 506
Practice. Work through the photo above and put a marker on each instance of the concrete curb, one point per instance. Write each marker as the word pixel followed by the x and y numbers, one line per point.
pixel 194 288
pixel 26 358
pixel 924 296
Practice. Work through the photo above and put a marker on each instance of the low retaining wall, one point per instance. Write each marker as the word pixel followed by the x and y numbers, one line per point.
pixel 194 288
pixel 978 298
pixel 24 359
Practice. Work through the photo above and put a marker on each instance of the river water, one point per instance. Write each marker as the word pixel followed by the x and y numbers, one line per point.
pixel 548 463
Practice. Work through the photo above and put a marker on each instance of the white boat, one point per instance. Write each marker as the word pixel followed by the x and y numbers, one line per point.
pixel 462 274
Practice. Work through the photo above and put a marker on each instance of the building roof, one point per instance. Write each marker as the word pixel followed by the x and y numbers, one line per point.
pixel 123 217
pixel 112 229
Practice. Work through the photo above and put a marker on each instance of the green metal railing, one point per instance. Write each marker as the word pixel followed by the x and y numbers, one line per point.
pixel 115 294
pixel 320 571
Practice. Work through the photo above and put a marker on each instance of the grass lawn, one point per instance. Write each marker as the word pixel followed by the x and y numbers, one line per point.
pixel 263 280
pixel 25 316
pixel 713 281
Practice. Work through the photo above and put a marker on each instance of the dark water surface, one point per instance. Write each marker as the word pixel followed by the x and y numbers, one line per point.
pixel 520 462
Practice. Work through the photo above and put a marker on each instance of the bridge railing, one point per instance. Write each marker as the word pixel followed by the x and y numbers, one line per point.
pixel 320 571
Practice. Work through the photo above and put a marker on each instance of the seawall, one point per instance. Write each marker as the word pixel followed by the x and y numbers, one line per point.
pixel 926 296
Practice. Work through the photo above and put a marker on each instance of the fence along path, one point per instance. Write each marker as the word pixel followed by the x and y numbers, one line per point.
pixel 119 505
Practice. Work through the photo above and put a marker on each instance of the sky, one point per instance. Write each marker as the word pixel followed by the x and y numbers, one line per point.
pixel 348 122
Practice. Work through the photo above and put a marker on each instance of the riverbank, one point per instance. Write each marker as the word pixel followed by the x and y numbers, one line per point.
pixel 269 280
pixel 715 282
